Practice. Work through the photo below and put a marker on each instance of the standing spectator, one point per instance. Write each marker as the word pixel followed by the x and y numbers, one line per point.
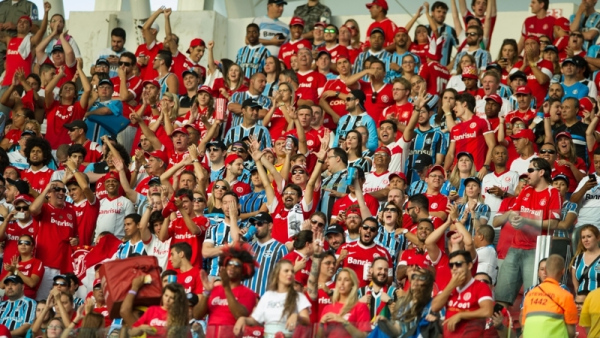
pixel 378 94
pixel 448 34
pixel 252 57
pixel 574 127
pixel 375 49
pixel 538 71
pixel 62 55
pixel 499 184
pixel 585 263
pixel 334 49
pixel 296 42
pixel 221 233
pixel 587 195
pixel 249 124
pixel 378 10
pixel 254 93
pixel 188 275
pixel 589 315
pixel 524 142
pixel 85 204
pixel 13 227
pixel 548 309
pixel 336 182
pixel 147 51
pixel 473 48
pixel 10 14
pixel 355 103
pixel 273 32
pixel 571 86
pixel 18 312
pixel 314 11
pixel 487 257
pixel 587 21
pixel 113 208
pixel 162 64
pixel 541 23
pixel 39 155
pixel 196 52
pixel 114 52
pixel 77 133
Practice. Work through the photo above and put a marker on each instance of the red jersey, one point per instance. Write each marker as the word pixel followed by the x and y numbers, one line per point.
pixel 101 190
pixel 14 59
pixel 142 187
pixel 411 255
pixel 526 116
pixel 566 170
pixel 221 320
pixel 335 51
pixel 282 232
pixel 467 299
pixel 190 281
pixel 156 317
pixel 56 227
pixel 134 86
pixel 358 316
pixel 313 80
pixel 179 232
pixel 32 267
pixel 57 115
pixel 539 91
pixel 318 305
pixel 14 230
pixel 177 68
pixel 402 111
pixel 436 76
pixel 383 99
pixel 14 135
pixel 389 30
pixel 535 205
pixel 69 71
pixel 420 51
pixel 437 202
pixel 360 258
pixel 291 48
pixel 344 204
pixel 469 136
pixel 507 232
pixel 302 275
pixel 146 71
pixel 278 124
pixel 337 105
pixel 538 27
pixel 37 179
pixel 87 215
pixel 353 53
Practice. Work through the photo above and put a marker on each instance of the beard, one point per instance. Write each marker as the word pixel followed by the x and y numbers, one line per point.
pixel 36 163
pixel 378 282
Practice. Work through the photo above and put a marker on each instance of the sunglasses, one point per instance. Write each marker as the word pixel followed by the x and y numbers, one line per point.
pixel 418 277
pixel 530 170
pixel 214 149
pixel 199 200
pixel 259 224
pixel 126 64
pixel 350 99
pixel 472 34
pixel 296 172
pixel 372 229
pixel 57 189
pixel 23 208
pixel 390 209
pixel 333 31
pixel 221 187
pixel 577 35
pixel 238 150
pixel 59 284
pixel 319 224
pixel 234 263
pixel 455 264
pixel 28 243
pixel 547 151
pixel 374 97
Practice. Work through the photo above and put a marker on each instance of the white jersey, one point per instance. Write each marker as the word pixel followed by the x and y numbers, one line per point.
pixel 268 28
pixel 507 181
pixel 375 182
pixel 399 151
pixel 488 261
pixel 521 165
pixel 589 205
pixel 112 216
pixel 158 249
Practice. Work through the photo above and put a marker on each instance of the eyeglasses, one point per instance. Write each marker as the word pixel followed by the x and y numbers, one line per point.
pixel 259 224
pixel 577 35
pixel 390 209
pixel 350 98
pixel 54 327
pixel 289 193
pixel 548 151
pixel 28 243
pixel 372 229
pixel 319 224
pixel 374 97
pixel 199 200
pixel 238 150
pixel 436 176
pixel 332 31
pixel 123 63
pixel 452 265
pixel 57 189
pixel 298 172
pixel 418 277
pixel 472 34
pixel 59 284
pixel 409 209
pixel 485 281
pixel 530 170
pixel 234 263
pixel 221 187
pixel 23 208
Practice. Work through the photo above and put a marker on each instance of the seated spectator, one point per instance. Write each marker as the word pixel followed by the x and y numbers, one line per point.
pixel 18 322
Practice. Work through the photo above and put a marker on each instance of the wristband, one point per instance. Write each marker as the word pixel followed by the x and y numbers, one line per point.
pixel 206 293
pixel 321 161
pixel 546 115
pixel 448 114
pixel 131 292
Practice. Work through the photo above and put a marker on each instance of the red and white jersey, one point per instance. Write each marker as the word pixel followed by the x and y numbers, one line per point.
pixel 87 216
pixel 239 188
pixel 467 299
pixel 179 232
pixel 18 55
pixel 436 76
pixel 134 86
pixel 411 255
pixel 535 205
pixel 190 280
pixel 111 216
pixel 437 202
pixel 302 275
pixel 389 30
pixel 526 116
pixel 360 258
pixel 29 268
pixel 282 230
pixel 539 91
pixel 538 27
pixel 403 112
pixel 177 68
pixel 56 227
pixel 469 136
pixel 399 151
pixel 14 230
pixel 37 179
pixel 375 182
pixel 312 138
pixel 337 104
pixel 142 187
pixel 93 152
pixel 69 71
pixel 344 203
pixel 291 48
pixel 507 181
pixel 335 51
pixel 146 71
pixel 313 80
pixel 383 99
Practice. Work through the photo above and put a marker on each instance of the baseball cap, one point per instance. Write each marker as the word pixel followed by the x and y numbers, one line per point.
pixel 516 118
pixel 26 17
pixel 564 134
pixel 437 168
pixel 298 166
pixel 27 132
pixel 320 24
pixel 154 180
pixel 22 186
pixel 13 279
pixel 472 179
pixel 524 133
pixel 231 158
pixel 57 277
pixel 381 3
pixel 206 89
pixel 422 161
pixel 551 48
pixel 534 38
pixel 384 149
pixel 218 144
pixel 323 52
pixel 262 217
pixel 586 104
pixel 152 82
pixel 334 229
pixel 377 30
pixel 279 2
pixel 28 199
pixel 400 175
pixel 297 21
pixel 250 103
pixel 563 23
pixel 106 81
pixel 464 153
pixel 579 61
pixel 102 61
pixel 195 43
pixel 111 175
pixel 360 96
pixel 57 48
pixel 189 71
pixel 469 72
pixel 153 26
pixel 159 154
pixel 400 30
pixel 523 90
pixel 568 60
pixel 97 282
pixel 76 124
pixel 561 177
pixel 517 75
pixel 180 130
pixel 494 97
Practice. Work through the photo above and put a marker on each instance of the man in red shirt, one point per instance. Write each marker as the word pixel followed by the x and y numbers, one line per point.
pixel 539 24
pixel 402 109
pixel 332 100
pixel 537 209
pixel 378 94
pixel 436 176
pixel 332 47
pixel 85 204
pixel 524 111
pixel 378 10
pixel 473 135
pixel 296 42
pixel 308 78
pixel 188 275
pixel 127 86
pixel 147 51
pixel 343 205
pixel 77 134
pixel 433 72
pixel 39 155
pixel 538 71
pixel 468 301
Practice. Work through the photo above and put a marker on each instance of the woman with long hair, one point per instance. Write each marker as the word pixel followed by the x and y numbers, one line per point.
pixel 278 117
pixel 454 187
pixel 445 118
pixel 586 263
pixel 345 316
pixel 364 134
pixel 567 161
pixel 54 329
pixel 92 322
pixel 303 250
pixel 420 43
pixel 214 205
pixel 272 70
pixel 354 29
pixel 354 148
pixel 44 314
pixel 456 81
pixel 472 211
pixel 230 80
pixel 508 56
pixel 409 65
pixel 281 308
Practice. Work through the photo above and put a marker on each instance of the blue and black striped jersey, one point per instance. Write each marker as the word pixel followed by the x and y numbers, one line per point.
pixel 252 59
pixel 267 255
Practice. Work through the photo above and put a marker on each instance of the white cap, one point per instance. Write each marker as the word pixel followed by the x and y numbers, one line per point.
pixel 154 26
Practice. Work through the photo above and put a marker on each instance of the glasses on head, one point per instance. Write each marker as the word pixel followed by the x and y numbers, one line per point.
pixel 123 63
pixel 330 30
pixel 350 98
pixel 419 277
pixel 59 284
pixel 59 189
pixel 23 208
pixel 28 243
pixel 472 34
pixel 452 265
pixel 220 187
pixel 234 263
pixel 374 97
pixel 531 170
pixel 548 151
pixel 199 200
pixel 319 224
pixel 390 209
pixel 372 229
pixel 298 172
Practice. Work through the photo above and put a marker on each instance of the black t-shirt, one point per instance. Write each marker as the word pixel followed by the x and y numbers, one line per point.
pixel 577 131
pixel 186 102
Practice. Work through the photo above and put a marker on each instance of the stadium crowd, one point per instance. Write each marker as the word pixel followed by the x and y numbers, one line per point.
pixel 328 180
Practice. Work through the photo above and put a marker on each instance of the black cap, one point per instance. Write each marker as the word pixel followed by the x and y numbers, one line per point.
pixel 13 279
pixel 250 103
pixel 568 60
pixel 102 61
pixel 218 144
pixel 192 299
pixel 323 52
pixel 76 124
pixel 334 229
pixel 377 30
pixel 422 161
pixel 27 132
pixel 262 217
pixel 154 180
pixel 21 185
pixel 189 71
pixel 279 2
pixel 57 48
pixel 551 48
pixel 106 81
pixel 494 66
pixel 472 179
pixel 579 61
pixel 464 153
pixel 57 277
pixel 517 75
pixel 561 177
pixel 360 96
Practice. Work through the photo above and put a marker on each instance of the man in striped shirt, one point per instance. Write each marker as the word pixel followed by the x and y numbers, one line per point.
pixel 376 40
pixel 249 125
pixel 447 33
pixel 252 56
pixel 18 312
pixel 473 47
pixel 258 82
pixel 335 185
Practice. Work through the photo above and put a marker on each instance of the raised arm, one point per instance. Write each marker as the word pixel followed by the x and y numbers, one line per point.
pixel 257 155
pixel 432 24
pixel 316 174
pixel 360 198
pixel 36 207
pixel 40 49
pixel 431 242
pixel 150 135
pixel 147 34
pixel 414 19
pixel 131 194
pixel 211 58
pixel 487 26
pixel 68 49
pixel 85 83
pixel 456 18
pixel 590 133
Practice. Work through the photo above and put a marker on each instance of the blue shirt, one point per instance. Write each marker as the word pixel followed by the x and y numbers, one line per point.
pixel 587 24
pixel 252 59
pixel 448 35
pixel 238 133
pixel 240 97
pixel 267 255
pixel 349 122
pixel 577 90
pixel 95 131
pixel 219 235
pixel 396 58
pixel 567 207
pixel 335 182
pixel 359 63
pixel 14 314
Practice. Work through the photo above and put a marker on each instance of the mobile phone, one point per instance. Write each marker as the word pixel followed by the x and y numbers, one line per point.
pixel 350 176
pixel 504 59
pixel 498 308
pixel 592 177
pixel 280 36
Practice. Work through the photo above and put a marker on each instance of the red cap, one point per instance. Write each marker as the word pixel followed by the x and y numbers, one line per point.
pixel 381 3
pixel 438 168
pixel 385 150
pixel 414 260
pixel 524 133
pixel 320 24
pixel 469 72
pixel 97 281
pixel 159 154
pixel 564 134
pixel 585 104
pixel 206 89
pixel 297 21
pixel 523 90
pixel 400 30
pixel 26 17
pixel 354 210
pixel 23 198
pixel 399 175
pixel 152 82
pixel 494 97
pixel 563 23
pixel 190 126
pixel 271 150
pixel 111 175
pixel 534 38
pixel 512 120
pixel 342 56
pixel 180 130
pixel 195 43
pixel 231 158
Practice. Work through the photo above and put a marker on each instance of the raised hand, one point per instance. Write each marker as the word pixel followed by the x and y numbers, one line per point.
pixel 167 12
pixel 47 7
pixel 210 44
